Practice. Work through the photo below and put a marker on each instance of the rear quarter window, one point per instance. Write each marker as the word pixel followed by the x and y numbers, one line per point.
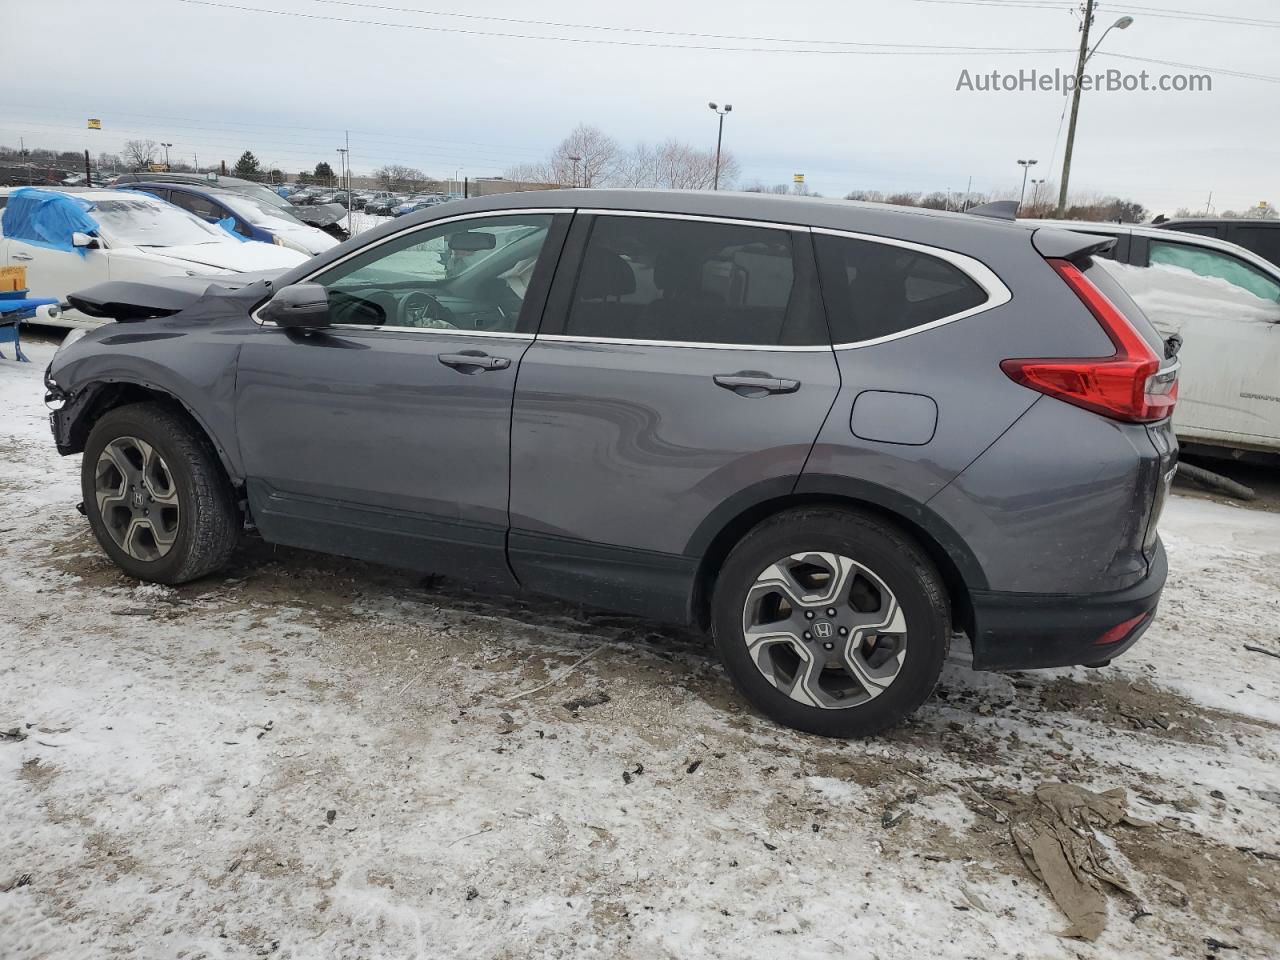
pixel 875 290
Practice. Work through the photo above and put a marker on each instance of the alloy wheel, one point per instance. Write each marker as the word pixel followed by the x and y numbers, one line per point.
pixel 137 498
pixel 824 630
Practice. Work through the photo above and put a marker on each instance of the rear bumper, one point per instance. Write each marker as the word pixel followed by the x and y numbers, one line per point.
pixel 1018 631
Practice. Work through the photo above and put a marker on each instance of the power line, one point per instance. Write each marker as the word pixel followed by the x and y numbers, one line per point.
pixel 649 31
pixel 1197 15
pixel 1030 5
pixel 905 49
pixel 1163 13
pixel 1266 78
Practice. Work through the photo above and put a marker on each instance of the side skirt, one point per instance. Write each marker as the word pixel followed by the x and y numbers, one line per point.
pixel 658 586
pixel 435 544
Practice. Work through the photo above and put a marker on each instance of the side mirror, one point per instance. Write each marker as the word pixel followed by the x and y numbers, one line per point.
pixel 298 305
pixel 83 240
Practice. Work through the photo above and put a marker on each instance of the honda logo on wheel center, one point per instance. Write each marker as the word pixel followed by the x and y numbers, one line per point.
pixel 822 629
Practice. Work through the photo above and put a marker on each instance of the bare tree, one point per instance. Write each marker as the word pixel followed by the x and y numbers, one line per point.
pixel 674 165
pixel 596 153
pixel 140 153
pixel 903 199
pixel 758 187
pixel 539 172
pixel 395 176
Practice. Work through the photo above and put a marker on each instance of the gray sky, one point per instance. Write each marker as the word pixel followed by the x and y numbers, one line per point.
pixel 215 80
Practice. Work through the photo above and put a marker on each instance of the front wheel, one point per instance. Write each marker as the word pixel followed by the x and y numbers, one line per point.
pixel 831 621
pixel 156 496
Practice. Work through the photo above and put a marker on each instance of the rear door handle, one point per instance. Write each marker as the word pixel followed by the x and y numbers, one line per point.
pixel 749 382
pixel 23 256
pixel 473 361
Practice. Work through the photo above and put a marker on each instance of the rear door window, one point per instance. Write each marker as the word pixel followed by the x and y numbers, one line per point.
pixel 875 290
pixel 691 281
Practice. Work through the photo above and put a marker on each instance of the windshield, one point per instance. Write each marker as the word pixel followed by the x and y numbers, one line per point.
pixel 258 192
pixel 260 213
pixel 142 221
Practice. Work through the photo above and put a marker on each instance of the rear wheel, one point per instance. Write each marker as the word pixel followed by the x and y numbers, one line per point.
pixel 156 496
pixel 831 621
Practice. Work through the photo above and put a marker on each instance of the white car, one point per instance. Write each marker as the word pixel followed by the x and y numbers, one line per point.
pixel 126 236
pixel 1224 302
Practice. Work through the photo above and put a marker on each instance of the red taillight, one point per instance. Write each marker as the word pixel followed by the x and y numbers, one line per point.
pixel 1127 385
pixel 1120 631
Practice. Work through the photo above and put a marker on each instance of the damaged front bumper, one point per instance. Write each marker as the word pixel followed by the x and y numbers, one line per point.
pixel 64 408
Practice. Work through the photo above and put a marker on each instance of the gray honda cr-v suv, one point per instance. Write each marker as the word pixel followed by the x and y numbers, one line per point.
pixel 833 433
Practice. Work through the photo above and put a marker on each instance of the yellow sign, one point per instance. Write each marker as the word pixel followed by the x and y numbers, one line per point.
pixel 95 123
pixel 798 178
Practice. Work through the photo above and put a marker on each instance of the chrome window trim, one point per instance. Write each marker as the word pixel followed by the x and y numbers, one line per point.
pixel 977 271
pixel 655 214
pixel 360 251
pixel 778 348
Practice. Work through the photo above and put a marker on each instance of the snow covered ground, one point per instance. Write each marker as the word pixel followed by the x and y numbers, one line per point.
pixel 314 758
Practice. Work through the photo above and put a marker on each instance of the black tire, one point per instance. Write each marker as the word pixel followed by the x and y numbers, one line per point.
pixel 904 568
pixel 209 522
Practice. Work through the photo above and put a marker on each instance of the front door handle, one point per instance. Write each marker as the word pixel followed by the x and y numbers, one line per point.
pixel 23 256
pixel 473 361
pixel 748 383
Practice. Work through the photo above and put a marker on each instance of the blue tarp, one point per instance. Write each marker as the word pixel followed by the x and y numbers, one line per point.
pixel 47 218
pixel 229 224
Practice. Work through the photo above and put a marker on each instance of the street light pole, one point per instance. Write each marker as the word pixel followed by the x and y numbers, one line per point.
pixel 166 154
pixel 1025 165
pixel 728 108
pixel 575 169
pixel 1035 191
pixel 1084 56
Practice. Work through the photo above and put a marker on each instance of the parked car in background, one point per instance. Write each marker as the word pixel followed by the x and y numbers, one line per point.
pixel 68 240
pixel 834 433
pixel 384 204
pixel 1223 302
pixel 332 196
pixel 247 216
pixel 327 218
pixel 304 196
pixel 414 204
pixel 1260 236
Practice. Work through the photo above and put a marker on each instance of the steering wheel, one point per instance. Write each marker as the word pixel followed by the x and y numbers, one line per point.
pixel 420 309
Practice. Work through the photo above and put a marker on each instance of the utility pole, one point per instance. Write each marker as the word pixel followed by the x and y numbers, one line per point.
pixel 1208 204
pixel 968 192
pixel 1124 23
pixel 346 155
pixel 1075 106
